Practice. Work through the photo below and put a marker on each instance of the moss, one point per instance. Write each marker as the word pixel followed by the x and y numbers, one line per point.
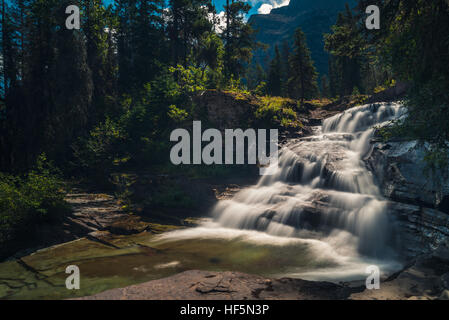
pixel 277 112
pixel 319 103
pixel 161 228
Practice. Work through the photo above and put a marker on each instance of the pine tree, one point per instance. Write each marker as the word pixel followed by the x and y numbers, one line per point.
pixel 70 87
pixel 302 83
pixel 141 42
pixel 346 45
pixel 274 83
pixel 285 57
pixel 325 89
pixel 9 50
pixel 189 20
pixel 97 27
pixel 239 40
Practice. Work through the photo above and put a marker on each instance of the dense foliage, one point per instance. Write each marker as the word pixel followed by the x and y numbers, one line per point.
pixel 292 73
pixel 411 47
pixel 28 200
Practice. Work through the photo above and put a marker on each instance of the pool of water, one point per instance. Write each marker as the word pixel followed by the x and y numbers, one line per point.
pixel 144 257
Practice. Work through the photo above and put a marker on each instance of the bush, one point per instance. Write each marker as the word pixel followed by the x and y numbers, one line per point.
pixel 98 152
pixel 277 112
pixel 26 201
pixel 139 136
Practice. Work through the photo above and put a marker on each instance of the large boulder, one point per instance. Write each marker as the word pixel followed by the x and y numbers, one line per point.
pixel 400 169
pixel 418 230
pixel 419 199
pixel 225 110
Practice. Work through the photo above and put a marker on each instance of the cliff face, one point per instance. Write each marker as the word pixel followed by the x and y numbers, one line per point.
pixel 420 203
pixel 315 17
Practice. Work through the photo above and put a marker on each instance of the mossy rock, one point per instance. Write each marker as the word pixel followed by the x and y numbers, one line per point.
pixel 127 226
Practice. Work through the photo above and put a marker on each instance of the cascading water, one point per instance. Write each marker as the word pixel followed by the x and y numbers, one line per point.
pixel 321 195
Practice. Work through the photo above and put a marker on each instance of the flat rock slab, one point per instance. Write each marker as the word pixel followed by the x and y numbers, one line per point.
pixel 206 285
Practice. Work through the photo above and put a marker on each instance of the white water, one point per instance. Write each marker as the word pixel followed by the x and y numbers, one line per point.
pixel 321 195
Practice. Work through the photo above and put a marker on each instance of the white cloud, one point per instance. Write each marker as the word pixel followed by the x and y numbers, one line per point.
pixel 273 4
pixel 220 19
pixel 265 8
pixel 221 22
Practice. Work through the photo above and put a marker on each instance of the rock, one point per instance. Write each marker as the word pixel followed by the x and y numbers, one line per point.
pixel 207 285
pixel 418 230
pixel 400 170
pixel 225 110
pixel 444 295
pixel 128 225
pixel 419 281
pixel 442 252
pixel 390 94
pixel 419 202
pixel 445 281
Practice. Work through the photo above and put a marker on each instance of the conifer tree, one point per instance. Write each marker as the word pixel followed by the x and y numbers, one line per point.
pixel 346 45
pixel 302 83
pixel 239 40
pixel 285 57
pixel 325 90
pixel 274 83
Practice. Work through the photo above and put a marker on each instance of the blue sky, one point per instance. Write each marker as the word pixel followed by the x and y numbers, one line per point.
pixel 258 6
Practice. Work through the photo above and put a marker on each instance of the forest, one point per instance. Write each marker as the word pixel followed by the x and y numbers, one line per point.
pixel 78 105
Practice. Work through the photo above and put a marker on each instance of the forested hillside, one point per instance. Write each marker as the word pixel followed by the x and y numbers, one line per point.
pixel 313 17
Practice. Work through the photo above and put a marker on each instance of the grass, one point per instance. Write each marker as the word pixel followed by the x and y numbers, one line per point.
pixel 277 112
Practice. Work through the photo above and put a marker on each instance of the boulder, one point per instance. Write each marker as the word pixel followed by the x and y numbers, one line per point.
pixel 418 230
pixel 419 199
pixel 224 110
pixel 400 169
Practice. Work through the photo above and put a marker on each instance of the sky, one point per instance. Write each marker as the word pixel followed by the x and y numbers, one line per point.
pixel 257 6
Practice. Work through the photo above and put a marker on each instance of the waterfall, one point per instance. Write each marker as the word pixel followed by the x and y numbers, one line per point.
pixel 321 206
pixel 320 184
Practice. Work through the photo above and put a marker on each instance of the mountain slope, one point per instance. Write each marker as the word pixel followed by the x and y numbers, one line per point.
pixel 315 17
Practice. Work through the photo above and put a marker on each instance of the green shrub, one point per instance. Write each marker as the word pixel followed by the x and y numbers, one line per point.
pixel 26 201
pixel 275 112
pixel 100 150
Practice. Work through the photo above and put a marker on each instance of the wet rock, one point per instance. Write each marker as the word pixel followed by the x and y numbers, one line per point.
pixel 418 203
pixel 442 252
pixel 400 170
pixel 418 230
pixel 419 281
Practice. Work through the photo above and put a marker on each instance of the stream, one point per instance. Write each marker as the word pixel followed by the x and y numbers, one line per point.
pixel 320 202
pixel 319 216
